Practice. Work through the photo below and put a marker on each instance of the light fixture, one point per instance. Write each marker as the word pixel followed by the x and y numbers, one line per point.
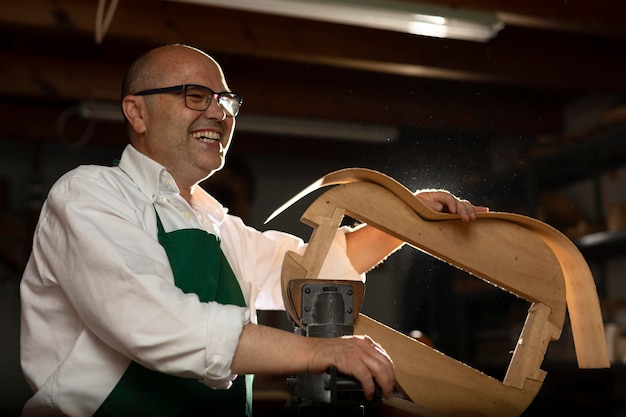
pixel 319 129
pixel 93 111
pixel 101 111
pixel 414 18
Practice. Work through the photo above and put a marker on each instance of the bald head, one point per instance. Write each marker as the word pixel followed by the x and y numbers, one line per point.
pixel 153 67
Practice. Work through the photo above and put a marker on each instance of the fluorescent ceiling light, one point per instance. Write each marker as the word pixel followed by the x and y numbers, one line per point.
pixel 414 18
pixel 296 127
pixel 319 129
pixel 101 111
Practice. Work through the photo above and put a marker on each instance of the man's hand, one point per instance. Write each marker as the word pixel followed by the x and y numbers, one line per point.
pixel 445 202
pixel 358 356
pixel 266 350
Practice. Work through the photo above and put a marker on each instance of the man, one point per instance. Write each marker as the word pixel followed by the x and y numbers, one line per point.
pixel 140 293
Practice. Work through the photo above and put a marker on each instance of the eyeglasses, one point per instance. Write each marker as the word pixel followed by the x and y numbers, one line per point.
pixel 198 97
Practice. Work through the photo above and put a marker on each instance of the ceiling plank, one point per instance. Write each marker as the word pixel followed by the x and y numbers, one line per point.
pixel 515 57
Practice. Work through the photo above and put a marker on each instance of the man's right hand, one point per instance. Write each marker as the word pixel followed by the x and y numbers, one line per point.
pixel 359 356
pixel 267 350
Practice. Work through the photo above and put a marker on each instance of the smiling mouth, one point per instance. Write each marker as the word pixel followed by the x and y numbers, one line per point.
pixel 206 136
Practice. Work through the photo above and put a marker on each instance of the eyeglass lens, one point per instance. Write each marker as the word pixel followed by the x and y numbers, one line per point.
pixel 199 98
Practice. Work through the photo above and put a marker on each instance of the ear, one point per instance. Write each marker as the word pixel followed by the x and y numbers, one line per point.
pixel 133 108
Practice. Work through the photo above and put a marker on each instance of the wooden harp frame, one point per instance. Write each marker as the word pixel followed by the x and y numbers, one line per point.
pixel 516 253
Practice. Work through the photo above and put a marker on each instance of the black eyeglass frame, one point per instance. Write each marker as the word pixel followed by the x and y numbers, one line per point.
pixel 183 88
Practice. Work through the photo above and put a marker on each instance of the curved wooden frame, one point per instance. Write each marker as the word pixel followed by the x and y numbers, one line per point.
pixel 516 253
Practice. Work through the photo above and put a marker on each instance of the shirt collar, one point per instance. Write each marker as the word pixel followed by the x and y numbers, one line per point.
pixel 146 173
pixel 152 178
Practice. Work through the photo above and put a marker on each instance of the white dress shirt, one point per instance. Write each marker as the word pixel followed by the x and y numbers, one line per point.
pixel 98 290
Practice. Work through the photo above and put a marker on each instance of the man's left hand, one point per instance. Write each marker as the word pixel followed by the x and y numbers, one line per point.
pixel 445 202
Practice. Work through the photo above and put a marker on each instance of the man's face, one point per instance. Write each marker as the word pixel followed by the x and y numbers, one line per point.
pixel 191 144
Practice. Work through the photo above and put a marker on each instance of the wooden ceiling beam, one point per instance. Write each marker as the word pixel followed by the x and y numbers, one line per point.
pixel 515 57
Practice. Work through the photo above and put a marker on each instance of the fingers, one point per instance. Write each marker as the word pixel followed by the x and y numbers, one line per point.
pixel 383 372
pixel 444 201
pixel 467 211
pixel 464 209
pixel 360 357
pixel 373 365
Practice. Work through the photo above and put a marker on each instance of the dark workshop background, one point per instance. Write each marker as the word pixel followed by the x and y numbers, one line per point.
pixel 532 121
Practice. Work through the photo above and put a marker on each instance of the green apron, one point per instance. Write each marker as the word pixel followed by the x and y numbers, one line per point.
pixel 199 266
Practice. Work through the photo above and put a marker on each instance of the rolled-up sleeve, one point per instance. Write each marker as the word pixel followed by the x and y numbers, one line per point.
pixel 220 351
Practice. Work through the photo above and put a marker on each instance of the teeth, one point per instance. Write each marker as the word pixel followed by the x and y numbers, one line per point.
pixel 206 135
